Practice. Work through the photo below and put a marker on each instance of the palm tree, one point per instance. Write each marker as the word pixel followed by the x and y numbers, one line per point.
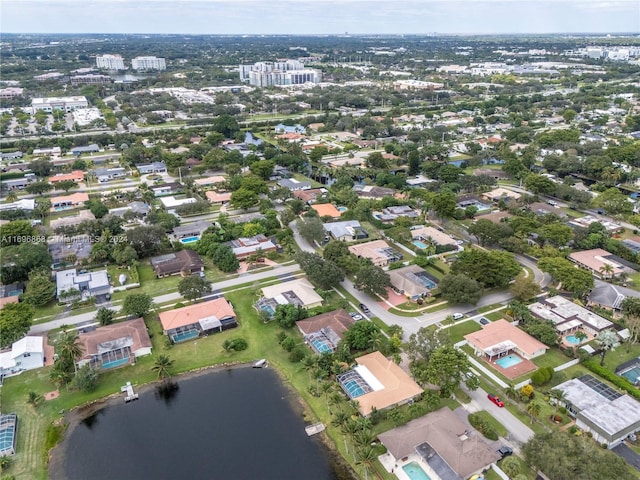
pixel 580 335
pixel 557 396
pixel 69 348
pixel 606 340
pixel 162 366
pixel 309 362
pixel 606 270
pixel 364 438
pixel 511 392
pixel 34 399
pixel 365 458
pixel 533 409
pixel 340 419
pixel 12 196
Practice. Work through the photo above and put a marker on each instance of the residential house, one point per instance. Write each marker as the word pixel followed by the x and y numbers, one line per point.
pixel 244 247
pixel 496 174
pixel 22 204
pixel 11 155
pixel 65 202
pixel 77 151
pixel 500 338
pixel 218 198
pixel 568 316
pixel 75 176
pixel 309 196
pixel 73 220
pixel 323 332
pixel 326 210
pixel 389 214
pixel 185 262
pixel 19 183
pixel 281 128
pixel 540 208
pixel 465 201
pixel 173 202
pixel 432 235
pixel 610 297
pixel 346 231
pixel 378 251
pixel 419 181
pixel 189 322
pixel 294 185
pixel 190 232
pixel 246 218
pixel 140 209
pixel 25 354
pixel 378 383
pixel 210 181
pixel 602 263
pixel 608 415
pixel 442 444
pixel 298 291
pixel 412 281
pixel 166 189
pixel 61 248
pixel 500 193
pixel 104 175
pixel 373 192
pixel 155 167
pixel 584 222
pixel 71 285
pixel 494 217
pixel 114 345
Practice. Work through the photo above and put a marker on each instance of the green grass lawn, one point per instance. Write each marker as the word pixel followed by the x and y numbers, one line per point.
pixel 524 469
pixel 552 358
pixel 497 426
pixel 457 332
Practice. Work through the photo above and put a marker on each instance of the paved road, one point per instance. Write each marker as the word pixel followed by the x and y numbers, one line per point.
pixel 518 431
pixel 169 297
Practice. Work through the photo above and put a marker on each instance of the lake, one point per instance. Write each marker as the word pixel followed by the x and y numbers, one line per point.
pixel 229 424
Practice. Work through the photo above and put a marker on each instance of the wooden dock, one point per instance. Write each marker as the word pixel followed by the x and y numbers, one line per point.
pixel 130 394
pixel 314 429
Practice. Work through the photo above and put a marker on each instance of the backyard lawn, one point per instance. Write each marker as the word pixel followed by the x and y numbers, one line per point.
pixel 457 332
pixel 552 358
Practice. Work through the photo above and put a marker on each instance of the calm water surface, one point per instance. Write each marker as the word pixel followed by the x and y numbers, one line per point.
pixel 234 424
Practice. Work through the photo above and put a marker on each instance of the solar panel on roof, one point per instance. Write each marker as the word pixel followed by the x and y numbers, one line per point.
pixel 599 387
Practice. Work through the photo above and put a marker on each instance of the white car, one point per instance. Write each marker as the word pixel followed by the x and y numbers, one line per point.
pixel 457 316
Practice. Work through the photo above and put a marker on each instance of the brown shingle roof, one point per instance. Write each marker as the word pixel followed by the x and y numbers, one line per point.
pixel 136 329
pixel 339 321
pixel 191 314
pixel 184 260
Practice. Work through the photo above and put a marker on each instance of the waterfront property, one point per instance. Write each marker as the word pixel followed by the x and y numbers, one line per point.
pixel 377 382
pixel 412 281
pixel 609 415
pixel 506 347
pixel 114 345
pixel 298 291
pixel 192 321
pixel 323 332
pixel 185 262
pixel 568 316
pixel 72 285
pixel 8 434
pixel 441 441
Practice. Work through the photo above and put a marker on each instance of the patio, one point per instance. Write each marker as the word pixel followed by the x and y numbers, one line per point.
pixel 393 298
pixel 523 367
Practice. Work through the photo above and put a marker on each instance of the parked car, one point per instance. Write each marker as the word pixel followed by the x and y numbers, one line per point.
pixel 458 316
pixel 355 316
pixel 364 308
pixel 484 321
pixel 505 451
pixel 553 203
pixel 495 399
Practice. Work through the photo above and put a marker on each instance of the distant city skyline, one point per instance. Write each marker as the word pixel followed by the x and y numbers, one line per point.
pixel 299 17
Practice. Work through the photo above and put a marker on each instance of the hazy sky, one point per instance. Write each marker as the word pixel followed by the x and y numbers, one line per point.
pixel 318 16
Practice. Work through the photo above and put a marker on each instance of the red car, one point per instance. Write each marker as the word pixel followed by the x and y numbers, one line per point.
pixel 495 400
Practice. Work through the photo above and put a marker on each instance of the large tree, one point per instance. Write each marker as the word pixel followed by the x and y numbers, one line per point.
pixel 137 305
pixel 66 185
pixel 15 322
pixel 447 367
pixel 489 233
pixel 38 188
pixel 613 201
pixel 424 342
pixel 146 240
pixel 324 273
pixel 631 315
pixel 193 287
pixel 460 289
pixel 444 204
pixel 372 280
pixel 492 268
pixel 560 455
pixel 40 289
pixel 311 229
pixel 224 258
pixel 573 279
pixel 525 288
pixel 540 184
pixel 16 232
pixel 360 335
pixel 19 260
pixel 244 199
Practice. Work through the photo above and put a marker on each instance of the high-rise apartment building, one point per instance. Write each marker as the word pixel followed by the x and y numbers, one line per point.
pixel 110 62
pixel 148 63
pixel 281 72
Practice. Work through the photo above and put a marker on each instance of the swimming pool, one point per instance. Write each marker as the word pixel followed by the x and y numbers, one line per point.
pixel 321 345
pixel 573 339
pixel 115 363
pixel 415 472
pixel 508 361
pixel 65 207
pixel 189 239
pixel 354 388
pixel 268 309
pixel 633 374
pixel 342 209
pixel 183 336
pixel 420 245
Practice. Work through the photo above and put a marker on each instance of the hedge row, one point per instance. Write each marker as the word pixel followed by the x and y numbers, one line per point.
pixel 618 381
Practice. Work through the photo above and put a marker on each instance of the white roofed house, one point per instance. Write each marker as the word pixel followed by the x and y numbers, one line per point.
pixel 568 317
pixel 70 285
pixel 295 292
pixel 25 354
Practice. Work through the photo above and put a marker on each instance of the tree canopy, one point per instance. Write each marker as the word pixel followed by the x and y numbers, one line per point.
pixel 460 289
pixel 15 322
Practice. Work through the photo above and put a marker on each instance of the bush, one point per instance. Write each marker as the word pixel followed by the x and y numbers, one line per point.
pixel 297 355
pixel 288 344
pixel 620 382
pixel 484 428
pixel 235 344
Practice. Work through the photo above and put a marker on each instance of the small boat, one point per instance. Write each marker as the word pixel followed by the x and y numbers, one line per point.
pixel 262 363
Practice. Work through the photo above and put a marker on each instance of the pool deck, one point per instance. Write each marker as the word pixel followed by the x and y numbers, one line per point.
pixel 394 466
pixel 576 345
pixel 522 368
